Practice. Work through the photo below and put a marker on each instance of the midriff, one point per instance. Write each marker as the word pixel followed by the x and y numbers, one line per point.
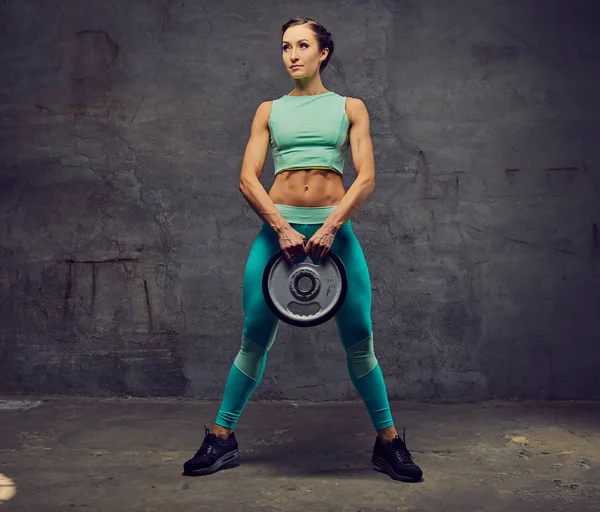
pixel 307 187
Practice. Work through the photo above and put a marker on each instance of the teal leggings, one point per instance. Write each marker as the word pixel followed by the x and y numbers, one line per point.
pixel 353 320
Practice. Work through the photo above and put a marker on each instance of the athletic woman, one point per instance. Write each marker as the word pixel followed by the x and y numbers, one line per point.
pixel 307 211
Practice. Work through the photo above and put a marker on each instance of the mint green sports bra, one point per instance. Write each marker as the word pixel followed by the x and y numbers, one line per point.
pixel 309 132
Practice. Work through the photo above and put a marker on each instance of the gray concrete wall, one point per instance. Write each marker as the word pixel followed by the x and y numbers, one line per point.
pixel 123 236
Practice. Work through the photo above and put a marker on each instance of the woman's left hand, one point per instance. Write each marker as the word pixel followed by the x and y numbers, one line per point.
pixel 320 243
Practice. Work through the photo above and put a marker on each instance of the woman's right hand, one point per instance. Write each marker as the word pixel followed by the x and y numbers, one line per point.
pixel 292 244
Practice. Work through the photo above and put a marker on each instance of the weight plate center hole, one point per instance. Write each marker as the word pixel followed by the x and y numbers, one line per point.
pixel 305 284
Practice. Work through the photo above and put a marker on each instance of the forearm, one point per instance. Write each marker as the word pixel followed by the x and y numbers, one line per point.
pixel 351 203
pixel 262 204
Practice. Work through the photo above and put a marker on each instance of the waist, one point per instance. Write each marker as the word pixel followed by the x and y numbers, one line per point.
pixel 305 214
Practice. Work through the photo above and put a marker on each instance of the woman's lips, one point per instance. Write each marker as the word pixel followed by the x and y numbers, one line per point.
pixel 296 67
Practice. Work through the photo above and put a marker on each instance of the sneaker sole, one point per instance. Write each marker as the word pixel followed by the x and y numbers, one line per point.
pixel 382 465
pixel 226 459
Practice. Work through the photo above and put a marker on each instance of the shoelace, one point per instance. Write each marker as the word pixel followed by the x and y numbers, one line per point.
pixel 205 448
pixel 399 446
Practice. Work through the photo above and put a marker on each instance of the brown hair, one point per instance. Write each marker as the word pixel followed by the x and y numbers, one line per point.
pixel 321 33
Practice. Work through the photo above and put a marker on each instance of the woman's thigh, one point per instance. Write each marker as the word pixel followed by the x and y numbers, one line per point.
pixel 260 323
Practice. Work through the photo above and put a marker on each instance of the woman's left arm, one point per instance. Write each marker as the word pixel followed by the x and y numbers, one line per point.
pixel 364 164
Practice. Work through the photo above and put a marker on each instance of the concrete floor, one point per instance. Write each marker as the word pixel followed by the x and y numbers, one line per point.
pixel 69 453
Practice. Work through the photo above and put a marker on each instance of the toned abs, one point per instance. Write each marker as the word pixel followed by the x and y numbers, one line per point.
pixel 307 187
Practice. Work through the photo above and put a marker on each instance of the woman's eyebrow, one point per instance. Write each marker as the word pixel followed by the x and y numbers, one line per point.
pixel 298 41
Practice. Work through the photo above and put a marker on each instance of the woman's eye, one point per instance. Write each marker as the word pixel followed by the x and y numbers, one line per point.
pixel 301 44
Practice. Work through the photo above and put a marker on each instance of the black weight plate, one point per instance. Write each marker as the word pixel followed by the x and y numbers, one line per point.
pixel 309 322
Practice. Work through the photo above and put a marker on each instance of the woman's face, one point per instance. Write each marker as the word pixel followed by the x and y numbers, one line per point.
pixel 299 47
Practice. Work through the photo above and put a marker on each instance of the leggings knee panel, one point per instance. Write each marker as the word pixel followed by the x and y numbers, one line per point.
pixel 362 357
pixel 249 358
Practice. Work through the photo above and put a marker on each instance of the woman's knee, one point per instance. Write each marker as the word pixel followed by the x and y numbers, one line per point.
pixel 361 357
pixel 249 358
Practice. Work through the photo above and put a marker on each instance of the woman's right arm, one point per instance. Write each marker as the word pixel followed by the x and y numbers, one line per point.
pixel 252 166
pixel 290 240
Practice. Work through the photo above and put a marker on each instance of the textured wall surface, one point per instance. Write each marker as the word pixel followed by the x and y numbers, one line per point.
pixel 123 235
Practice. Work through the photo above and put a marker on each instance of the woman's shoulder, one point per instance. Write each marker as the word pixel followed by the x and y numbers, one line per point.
pixel 354 101
pixel 353 105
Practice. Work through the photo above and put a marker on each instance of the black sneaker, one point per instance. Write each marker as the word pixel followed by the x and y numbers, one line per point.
pixel 394 459
pixel 214 454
